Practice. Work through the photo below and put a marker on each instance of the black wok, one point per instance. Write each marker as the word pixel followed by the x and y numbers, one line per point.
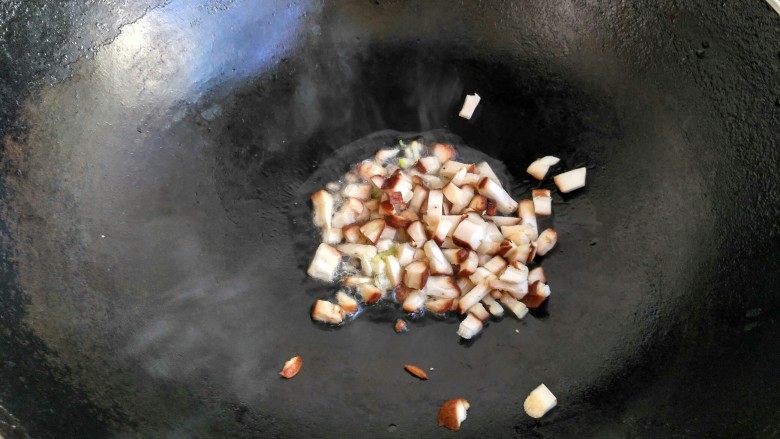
pixel 155 233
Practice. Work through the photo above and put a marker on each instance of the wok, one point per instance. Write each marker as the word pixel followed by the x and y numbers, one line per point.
pixel 155 232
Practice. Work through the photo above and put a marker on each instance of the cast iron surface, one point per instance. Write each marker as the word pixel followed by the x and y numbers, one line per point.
pixel 154 162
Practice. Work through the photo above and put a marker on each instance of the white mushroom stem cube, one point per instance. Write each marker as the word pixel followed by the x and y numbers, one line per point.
pixel 370 293
pixel 493 307
pixel 542 202
pixel 470 327
pixel 437 262
pixel 414 302
pixel 469 105
pixel 347 302
pixel 537 274
pixel 428 165
pixel 546 241
pixel 514 306
pixel 405 254
pixel 540 401
pixel 468 266
pixel 359 191
pixel 479 311
pixel 351 211
pixel 476 294
pixel 493 191
pixel 570 181
pixel 393 270
pixel 416 275
pixel 416 231
pixel 538 169
pixel 440 306
pixel 525 211
pixel 495 264
pixel 470 233
pixel 486 171
pixel 435 203
pixel 514 275
pixel 442 287
pixel 517 290
pixel 325 263
pixel 372 230
pixel 419 195
pixel 399 182
pixel 368 169
pixel 322 202
pixel 450 168
pixel 443 152
pixel 327 312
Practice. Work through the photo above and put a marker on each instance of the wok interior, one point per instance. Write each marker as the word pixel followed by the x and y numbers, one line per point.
pixel 155 233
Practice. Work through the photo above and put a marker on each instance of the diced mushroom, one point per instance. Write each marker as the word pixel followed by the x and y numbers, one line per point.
pixel 470 327
pixel 416 231
pixel 397 200
pixel 476 294
pixel 352 234
pixel 542 201
pixel 446 227
pixel 347 302
pixel 350 212
pixel 478 203
pixel 405 254
pixel 540 401
pixel 401 292
pixel 332 236
pixel 372 230
pixel 440 306
pixel 393 270
pixel 436 260
pixel 428 165
pixel 492 190
pixel 503 220
pixel 469 265
pixel 493 307
pixel 431 181
pixel 538 169
pixel 376 181
pixel 516 307
pixel 514 275
pixel 370 293
pixel 322 202
pixel 480 274
pixel 414 302
pixel 443 287
pixel 326 261
pixel 570 181
pixel 479 311
pixel 517 290
pixel 537 274
pixel 359 191
pixel 397 221
pixel 443 152
pixel 384 244
pixel 469 105
pixel 416 275
pixel 526 213
pixel 353 281
pixel 388 233
pixel 399 182
pixel 546 241
pixel 452 413
pixel 384 155
pixel 450 168
pixel 435 202
pixel 454 194
pixel 469 234
pixel 495 265
pixel 486 171
pixel 419 195
pixel 366 170
pixel 537 294
pixel 327 312
pixel 464 284
pixel 400 326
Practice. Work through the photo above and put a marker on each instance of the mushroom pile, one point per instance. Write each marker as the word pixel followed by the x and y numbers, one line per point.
pixel 415 226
